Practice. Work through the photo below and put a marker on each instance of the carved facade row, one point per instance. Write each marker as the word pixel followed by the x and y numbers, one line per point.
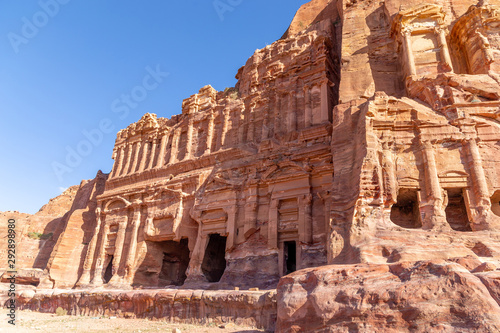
pixel 245 185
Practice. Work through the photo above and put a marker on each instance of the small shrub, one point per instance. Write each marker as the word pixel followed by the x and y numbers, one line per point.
pixel 61 312
pixel 39 235
pixel 34 235
pixel 46 236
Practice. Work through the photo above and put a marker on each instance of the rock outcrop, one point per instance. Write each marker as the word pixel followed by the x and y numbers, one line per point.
pixel 249 308
pixel 425 296
pixel 58 231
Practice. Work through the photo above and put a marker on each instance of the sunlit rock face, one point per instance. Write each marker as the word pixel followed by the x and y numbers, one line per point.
pixel 368 134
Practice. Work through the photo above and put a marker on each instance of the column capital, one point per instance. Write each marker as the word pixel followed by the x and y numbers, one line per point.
pixel 405 31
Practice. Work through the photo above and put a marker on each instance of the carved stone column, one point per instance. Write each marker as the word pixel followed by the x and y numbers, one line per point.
pixel 445 53
pixel 194 272
pixel 189 144
pixel 129 266
pixel 251 123
pixel 272 232
pixel 175 146
pixel 481 192
pixel 292 115
pixel 408 51
pixel 231 226
pixel 327 201
pixel 152 154
pixel 325 102
pixel 436 217
pixel 210 134
pixel 305 219
pixel 89 259
pixel 277 113
pixel 308 109
pixel 117 166
pixel 390 184
pixel 144 158
pixel 117 256
pixel 176 228
pixel 265 127
pixel 97 280
pixel 137 146
pixel 163 148
pixel 124 171
pixel 241 127
pixel 224 128
pixel 251 207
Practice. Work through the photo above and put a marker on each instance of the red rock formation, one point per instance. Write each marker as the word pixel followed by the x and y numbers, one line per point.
pixel 55 232
pixel 250 308
pixel 430 296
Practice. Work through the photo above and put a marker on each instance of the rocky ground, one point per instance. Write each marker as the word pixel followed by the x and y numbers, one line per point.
pixel 42 322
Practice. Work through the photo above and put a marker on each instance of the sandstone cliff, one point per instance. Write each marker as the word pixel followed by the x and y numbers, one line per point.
pixel 39 236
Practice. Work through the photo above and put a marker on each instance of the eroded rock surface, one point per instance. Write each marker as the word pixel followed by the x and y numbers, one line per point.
pixel 250 308
pixel 426 296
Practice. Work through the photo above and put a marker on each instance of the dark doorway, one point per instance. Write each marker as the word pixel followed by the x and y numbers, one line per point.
pixel 214 262
pixel 290 253
pixel 405 212
pixel 456 211
pixel 175 263
pixel 108 273
pixel 495 203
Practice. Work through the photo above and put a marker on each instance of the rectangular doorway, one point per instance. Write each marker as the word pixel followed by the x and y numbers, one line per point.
pixel 289 257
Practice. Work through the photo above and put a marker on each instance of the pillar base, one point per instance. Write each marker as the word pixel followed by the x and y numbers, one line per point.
pixel 486 222
pixel 437 223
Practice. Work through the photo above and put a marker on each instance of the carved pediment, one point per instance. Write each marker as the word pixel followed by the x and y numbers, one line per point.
pixel 285 170
pixel 116 204
pixel 421 17
pixel 213 216
pixel 452 174
pixel 453 179
pixel 225 180
pixel 409 182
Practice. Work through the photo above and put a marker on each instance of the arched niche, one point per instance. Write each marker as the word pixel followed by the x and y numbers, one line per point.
pixel 116 204
pixel 406 211
pixel 495 203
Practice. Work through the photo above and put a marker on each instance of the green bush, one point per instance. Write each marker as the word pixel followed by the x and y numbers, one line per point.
pixel 61 312
pixel 46 236
pixel 39 235
pixel 34 235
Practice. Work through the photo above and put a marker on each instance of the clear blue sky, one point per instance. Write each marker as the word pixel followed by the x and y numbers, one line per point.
pixel 61 73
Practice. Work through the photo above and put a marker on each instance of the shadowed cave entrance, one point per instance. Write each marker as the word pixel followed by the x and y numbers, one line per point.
pixel 108 273
pixel 290 253
pixel 174 264
pixel 405 212
pixel 495 203
pixel 456 211
pixel 214 261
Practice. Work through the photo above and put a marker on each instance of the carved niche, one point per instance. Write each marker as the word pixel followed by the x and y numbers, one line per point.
pixel 421 34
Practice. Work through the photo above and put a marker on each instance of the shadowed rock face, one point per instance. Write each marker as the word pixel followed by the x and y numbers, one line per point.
pixel 368 134
pixel 430 296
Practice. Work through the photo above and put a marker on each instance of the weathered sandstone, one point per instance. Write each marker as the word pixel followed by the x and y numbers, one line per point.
pixel 430 296
pixel 250 308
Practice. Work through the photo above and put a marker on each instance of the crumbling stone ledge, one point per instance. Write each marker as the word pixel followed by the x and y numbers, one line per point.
pixel 249 308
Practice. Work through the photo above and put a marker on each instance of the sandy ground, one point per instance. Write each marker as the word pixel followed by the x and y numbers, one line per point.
pixel 28 321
